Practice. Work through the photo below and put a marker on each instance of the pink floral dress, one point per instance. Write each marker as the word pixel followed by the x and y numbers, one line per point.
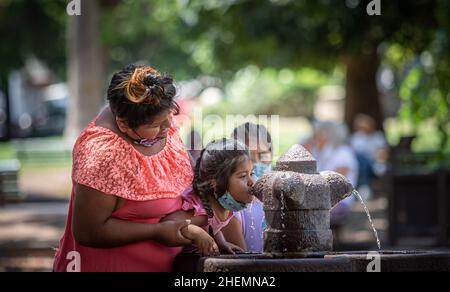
pixel 150 185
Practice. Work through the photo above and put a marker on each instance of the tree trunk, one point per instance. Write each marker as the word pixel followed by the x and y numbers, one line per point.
pixel 361 87
pixel 4 87
pixel 85 68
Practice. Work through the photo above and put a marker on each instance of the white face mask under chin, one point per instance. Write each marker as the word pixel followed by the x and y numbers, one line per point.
pixel 146 142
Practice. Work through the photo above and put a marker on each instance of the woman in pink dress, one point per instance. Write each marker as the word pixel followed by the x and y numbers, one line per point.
pixel 129 171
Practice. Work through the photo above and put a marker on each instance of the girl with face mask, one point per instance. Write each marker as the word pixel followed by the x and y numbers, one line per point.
pixel 223 179
pixel 247 227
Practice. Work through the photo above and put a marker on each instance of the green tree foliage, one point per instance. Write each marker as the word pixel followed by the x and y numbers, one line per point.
pixel 32 27
pixel 221 37
pixel 425 88
pixel 293 34
pixel 285 33
pixel 149 32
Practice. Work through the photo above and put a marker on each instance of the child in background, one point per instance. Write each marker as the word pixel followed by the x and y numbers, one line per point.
pixel 251 220
pixel 223 179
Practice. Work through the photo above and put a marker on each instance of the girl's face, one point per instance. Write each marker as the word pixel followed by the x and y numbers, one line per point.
pixel 241 182
pixel 261 153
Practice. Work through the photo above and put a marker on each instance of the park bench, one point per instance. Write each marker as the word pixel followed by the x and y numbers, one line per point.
pixel 419 205
pixel 9 188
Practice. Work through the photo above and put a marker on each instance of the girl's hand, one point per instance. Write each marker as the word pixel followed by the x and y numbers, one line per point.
pixel 206 244
pixel 225 246
pixel 170 233
pixel 230 248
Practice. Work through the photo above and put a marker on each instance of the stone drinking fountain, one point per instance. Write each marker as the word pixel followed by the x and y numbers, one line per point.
pixel 297 203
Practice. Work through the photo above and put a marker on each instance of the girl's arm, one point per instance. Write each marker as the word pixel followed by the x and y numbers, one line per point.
pixel 204 242
pixel 233 233
pixel 201 239
pixel 226 246
pixel 94 227
pixel 181 215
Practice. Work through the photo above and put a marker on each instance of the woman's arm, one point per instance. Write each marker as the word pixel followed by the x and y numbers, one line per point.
pixel 93 226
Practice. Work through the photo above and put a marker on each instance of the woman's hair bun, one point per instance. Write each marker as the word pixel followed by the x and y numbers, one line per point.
pixel 138 93
pixel 146 85
pixel 151 80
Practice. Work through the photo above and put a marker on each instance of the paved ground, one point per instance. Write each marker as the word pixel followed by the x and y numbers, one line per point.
pixel 32 224
pixel 29 232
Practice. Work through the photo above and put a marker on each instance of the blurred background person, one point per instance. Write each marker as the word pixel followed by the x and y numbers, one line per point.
pixel 371 150
pixel 328 145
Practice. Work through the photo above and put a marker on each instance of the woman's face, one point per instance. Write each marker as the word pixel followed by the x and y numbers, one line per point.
pixel 158 128
pixel 241 182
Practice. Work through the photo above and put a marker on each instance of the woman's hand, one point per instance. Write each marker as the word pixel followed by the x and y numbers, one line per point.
pixel 206 244
pixel 170 233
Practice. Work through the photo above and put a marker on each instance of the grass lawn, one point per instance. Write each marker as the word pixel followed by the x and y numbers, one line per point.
pixel 45 167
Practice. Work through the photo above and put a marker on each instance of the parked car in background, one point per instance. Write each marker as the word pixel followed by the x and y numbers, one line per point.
pixel 50 116
pixel 36 109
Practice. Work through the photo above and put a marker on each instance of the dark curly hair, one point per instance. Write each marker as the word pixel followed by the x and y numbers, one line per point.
pixel 218 160
pixel 139 93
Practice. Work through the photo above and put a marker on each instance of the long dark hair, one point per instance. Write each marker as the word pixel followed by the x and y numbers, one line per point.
pixel 218 160
pixel 137 94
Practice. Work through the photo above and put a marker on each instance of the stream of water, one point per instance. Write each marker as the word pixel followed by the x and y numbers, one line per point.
pixel 355 193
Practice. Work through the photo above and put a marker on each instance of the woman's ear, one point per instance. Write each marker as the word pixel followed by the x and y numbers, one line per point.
pixel 122 125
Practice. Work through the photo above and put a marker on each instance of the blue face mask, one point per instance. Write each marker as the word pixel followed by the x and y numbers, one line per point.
pixel 261 168
pixel 228 202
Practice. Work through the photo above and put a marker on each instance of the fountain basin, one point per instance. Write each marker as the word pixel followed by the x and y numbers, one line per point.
pixel 297 203
pixel 390 261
